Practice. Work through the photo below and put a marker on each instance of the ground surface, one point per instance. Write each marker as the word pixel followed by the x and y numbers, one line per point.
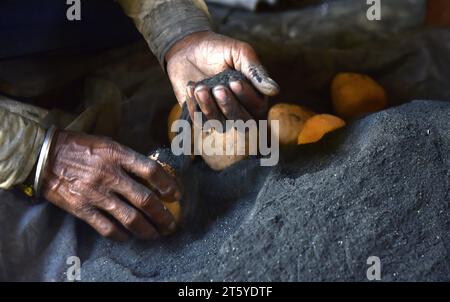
pixel 380 187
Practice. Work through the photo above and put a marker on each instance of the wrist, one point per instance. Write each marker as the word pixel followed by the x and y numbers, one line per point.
pixel 43 159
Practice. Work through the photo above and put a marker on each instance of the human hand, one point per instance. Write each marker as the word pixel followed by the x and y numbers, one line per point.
pixel 90 177
pixel 205 54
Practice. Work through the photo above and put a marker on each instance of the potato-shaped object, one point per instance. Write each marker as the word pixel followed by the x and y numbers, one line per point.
pixel 174 115
pixel 291 120
pixel 235 147
pixel 356 94
pixel 175 209
pixel 317 126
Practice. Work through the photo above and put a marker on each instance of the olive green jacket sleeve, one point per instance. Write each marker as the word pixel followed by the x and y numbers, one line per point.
pixel 21 137
pixel 164 22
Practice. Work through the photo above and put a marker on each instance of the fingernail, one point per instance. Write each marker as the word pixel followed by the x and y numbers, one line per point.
pixel 201 93
pixel 219 88
pixel 273 83
pixel 220 93
pixel 200 87
pixel 236 86
pixel 189 91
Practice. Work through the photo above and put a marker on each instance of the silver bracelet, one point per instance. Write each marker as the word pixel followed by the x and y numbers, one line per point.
pixel 43 159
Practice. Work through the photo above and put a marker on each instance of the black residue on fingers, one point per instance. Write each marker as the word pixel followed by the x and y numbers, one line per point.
pixel 223 78
pixel 255 74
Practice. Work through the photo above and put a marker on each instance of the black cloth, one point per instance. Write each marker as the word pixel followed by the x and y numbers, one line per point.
pixel 34 27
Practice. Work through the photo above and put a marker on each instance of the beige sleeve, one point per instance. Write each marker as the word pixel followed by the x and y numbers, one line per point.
pixel 164 22
pixel 21 138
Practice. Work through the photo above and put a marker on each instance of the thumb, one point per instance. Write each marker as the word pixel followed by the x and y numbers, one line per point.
pixel 260 78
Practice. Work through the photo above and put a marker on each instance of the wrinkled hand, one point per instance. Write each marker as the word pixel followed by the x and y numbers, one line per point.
pixel 203 55
pixel 89 177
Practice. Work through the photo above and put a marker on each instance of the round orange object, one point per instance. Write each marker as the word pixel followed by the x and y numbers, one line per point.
pixel 175 209
pixel 317 126
pixel 174 115
pixel 291 120
pixel 355 94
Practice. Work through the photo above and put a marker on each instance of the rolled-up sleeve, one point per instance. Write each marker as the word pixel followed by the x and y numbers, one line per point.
pixel 20 142
pixel 165 22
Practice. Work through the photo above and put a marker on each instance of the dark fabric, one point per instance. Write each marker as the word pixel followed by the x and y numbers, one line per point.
pixel 28 27
pixel 42 26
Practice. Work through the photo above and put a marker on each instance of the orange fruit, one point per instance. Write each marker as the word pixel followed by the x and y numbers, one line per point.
pixel 356 94
pixel 175 209
pixel 174 115
pixel 291 120
pixel 317 126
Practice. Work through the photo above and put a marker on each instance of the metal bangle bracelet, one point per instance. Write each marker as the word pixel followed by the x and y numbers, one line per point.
pixel 43 159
